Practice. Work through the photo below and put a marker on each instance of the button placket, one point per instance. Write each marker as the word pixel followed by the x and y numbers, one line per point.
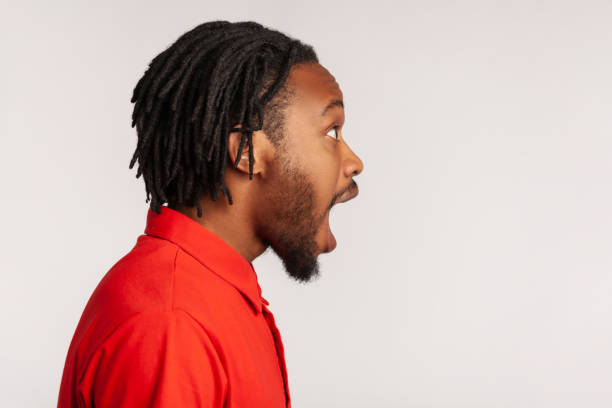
pixel 280 350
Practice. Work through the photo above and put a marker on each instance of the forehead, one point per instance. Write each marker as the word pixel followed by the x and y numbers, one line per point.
pixel 313 85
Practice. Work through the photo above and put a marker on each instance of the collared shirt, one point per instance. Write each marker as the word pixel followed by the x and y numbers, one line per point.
pixel 179 321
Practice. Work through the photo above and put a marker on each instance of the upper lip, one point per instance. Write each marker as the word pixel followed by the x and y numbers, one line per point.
pixel 349 195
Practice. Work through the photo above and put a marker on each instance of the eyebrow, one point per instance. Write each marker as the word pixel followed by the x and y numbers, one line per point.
pixel 336 102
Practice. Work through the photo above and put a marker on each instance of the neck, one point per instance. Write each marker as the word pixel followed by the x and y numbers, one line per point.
pixel 231 223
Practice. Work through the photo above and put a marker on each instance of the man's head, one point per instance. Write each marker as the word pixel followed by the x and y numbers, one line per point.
pixel 242 108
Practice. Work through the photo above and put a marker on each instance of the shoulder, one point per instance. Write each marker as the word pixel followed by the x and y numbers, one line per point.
pixel 153 330
pixel 154 281
pixel 138 283
pixel 157 355
pixel 140 280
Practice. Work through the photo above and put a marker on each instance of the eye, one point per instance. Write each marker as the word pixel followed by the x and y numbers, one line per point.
pixel 333 132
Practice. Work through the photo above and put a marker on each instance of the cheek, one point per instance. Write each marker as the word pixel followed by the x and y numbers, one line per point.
pixel 321 160
pixel 325 171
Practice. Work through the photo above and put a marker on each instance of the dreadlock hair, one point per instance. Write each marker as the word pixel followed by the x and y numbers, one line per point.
pixel 193 94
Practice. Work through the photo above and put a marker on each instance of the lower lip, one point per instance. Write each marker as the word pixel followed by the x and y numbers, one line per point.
pixel 331 240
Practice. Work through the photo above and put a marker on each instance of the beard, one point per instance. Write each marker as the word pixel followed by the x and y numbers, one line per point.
pixel 294 224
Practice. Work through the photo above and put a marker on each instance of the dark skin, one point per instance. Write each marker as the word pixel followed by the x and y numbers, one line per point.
pixel 286 205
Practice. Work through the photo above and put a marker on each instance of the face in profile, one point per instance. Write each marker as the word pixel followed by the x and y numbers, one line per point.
pixel 313 170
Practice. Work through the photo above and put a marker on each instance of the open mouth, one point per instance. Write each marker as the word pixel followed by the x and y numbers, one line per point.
pixel 349 194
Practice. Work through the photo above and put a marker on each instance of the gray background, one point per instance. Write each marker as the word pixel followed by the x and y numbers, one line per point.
pixel 474 269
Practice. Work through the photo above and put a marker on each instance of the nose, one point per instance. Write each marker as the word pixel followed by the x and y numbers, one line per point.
pixel 352 164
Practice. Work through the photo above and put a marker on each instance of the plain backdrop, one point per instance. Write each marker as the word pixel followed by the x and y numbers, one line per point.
pixel 473 270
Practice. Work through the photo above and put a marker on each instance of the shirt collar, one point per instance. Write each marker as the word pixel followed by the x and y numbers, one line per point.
pixel 208 248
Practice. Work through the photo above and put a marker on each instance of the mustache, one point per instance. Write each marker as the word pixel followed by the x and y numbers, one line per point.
pixel 351 187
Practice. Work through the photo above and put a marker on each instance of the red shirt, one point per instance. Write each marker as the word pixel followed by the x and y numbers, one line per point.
pixel 179 321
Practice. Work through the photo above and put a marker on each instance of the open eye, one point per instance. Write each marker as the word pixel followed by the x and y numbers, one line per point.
pixel 333 132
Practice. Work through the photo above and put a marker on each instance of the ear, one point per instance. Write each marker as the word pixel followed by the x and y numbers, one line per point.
pixel 263 151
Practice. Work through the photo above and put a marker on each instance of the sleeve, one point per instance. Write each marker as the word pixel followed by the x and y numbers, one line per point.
pixel 155 359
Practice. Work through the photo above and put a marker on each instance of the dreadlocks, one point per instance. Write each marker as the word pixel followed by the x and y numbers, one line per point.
pixel 194 93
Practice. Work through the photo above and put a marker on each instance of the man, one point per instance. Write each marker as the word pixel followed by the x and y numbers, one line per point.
pixel 245 111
